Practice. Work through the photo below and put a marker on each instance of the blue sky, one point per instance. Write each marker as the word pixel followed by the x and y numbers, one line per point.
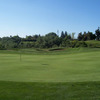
pixel 29 17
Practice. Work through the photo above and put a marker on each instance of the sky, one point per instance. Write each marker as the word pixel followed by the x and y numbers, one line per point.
pixel 30 17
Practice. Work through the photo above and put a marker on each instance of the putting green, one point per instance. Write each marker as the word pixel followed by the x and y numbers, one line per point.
pixel 84 66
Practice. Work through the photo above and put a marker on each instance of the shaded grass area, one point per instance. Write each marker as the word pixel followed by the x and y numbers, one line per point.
pixel 50 91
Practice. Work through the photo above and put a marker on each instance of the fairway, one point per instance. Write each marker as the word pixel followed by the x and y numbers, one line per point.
pixel 69 74
pixel 73 67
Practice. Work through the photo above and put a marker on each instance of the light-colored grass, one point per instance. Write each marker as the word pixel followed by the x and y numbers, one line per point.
pixel 72 67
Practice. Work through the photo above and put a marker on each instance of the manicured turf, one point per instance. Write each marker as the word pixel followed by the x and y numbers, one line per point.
pixel 70 74
pixel 79 67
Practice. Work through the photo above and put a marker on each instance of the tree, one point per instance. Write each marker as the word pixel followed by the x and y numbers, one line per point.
pixel 62 35
pixel 97 33
pixel 80 36
pixel 90 36
pixel 69 37
pixel 66 33
pixel 16 39
pixel 84 36
pixel 51 39
pixel 28 38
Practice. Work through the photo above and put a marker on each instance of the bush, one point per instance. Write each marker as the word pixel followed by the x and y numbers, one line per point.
pixel 2 47
pixel 73 43
pixel 81 44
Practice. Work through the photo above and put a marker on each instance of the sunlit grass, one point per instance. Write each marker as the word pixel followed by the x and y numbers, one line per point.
pixel 71 74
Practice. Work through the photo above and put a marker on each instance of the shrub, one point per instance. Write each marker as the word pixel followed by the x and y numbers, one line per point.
pixel 81 44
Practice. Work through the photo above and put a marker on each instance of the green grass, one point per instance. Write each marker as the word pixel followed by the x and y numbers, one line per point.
pixel 50 91
pixel 52 51
pixel 93 43
pixel 69 74
pixel 72 67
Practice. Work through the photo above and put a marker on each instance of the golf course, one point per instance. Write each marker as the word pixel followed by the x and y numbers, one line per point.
pixel 65 74
pixel 49 50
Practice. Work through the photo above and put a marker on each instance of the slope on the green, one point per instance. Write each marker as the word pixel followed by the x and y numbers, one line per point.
pixel 72 67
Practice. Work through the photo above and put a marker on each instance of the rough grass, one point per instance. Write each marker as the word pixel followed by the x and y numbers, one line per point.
pixel 52 51
pixel 50 91
pixel 93 43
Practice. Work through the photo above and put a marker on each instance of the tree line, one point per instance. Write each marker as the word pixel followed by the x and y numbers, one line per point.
pixel 50 40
